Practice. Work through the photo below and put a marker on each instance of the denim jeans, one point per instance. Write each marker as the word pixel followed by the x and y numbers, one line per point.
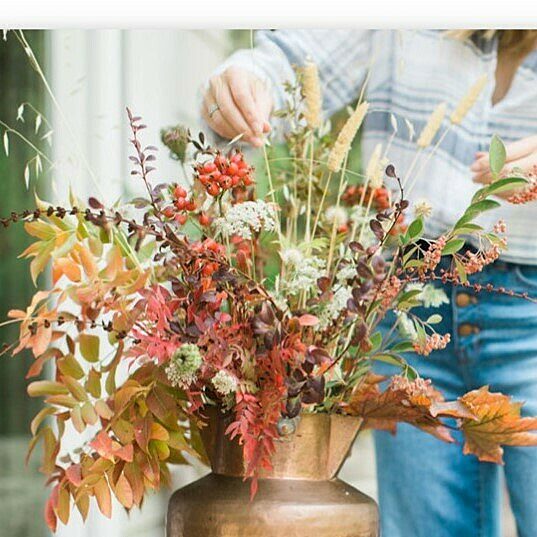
pixel 430 489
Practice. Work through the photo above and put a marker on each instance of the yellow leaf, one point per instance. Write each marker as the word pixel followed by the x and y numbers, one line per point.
pixel 41 230
pixel 88 414
pixel 68 365
pixel 76 418
pixel 89 347
pixel 103 410
pixel 75 388
pixel 46 387
pixel 40 261
pixel 63 506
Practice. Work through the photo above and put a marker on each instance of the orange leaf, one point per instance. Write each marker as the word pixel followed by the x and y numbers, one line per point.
pixel 498 423
pixel 125 453
pixel 68 267
pixel 104 500
pixel 415 402
pixel 87 260
pixel 102 444
pixel 124 492
pixel 158 432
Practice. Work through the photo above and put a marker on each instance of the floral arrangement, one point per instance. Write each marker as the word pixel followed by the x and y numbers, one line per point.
pixel 266 305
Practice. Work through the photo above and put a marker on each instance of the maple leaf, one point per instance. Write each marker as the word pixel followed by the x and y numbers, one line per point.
pixel 497 422
pixel 415 402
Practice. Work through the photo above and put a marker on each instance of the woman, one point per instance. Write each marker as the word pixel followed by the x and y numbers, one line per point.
pixel 427 488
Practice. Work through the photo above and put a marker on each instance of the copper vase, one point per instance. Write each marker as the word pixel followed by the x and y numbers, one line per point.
pixel 300 497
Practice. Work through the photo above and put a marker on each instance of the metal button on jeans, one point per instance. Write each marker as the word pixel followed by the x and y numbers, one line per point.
pixel 467 329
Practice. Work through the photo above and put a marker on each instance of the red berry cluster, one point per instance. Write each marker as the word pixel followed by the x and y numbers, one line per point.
pixel 181 207
pixel 355 193
pixel 224 172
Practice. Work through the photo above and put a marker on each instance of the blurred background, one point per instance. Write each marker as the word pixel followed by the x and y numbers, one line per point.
pixel 63 123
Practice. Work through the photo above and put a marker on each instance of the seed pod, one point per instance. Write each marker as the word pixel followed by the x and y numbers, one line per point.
pixel 311 88
pixel 346 136
pixel 432 126
pixel 468 100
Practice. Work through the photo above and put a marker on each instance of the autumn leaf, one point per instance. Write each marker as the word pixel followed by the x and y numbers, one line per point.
pixel 124 492
pixel 50 516
pixel 415 402
pixel 74 474
pixel 498 422
pixel 89 347
pixel 102 494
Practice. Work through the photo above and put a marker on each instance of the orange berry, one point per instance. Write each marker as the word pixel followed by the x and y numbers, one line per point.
pixel 213 189
pixel 181 218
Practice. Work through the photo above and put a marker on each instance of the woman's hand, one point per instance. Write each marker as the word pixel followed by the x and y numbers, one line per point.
pixel 520 155
pixel 237 102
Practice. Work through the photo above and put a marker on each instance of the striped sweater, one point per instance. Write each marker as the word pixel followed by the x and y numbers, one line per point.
pixel 409 74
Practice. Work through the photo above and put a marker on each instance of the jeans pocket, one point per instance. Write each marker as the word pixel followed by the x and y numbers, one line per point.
pixel 527 276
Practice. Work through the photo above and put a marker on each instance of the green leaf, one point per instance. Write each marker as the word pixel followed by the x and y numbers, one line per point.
pixel 89 347
pixel 460 270
pixel 392 359
pixel 452 246
pixel 481 207
pixel 415 228
pixel 375 340
pixel 403 346
pixel 508 183
pixel 434 319
pixel 497 155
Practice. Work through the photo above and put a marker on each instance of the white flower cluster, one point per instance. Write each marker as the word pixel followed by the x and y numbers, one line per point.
pixel 224 383
pixel 430 296
pixel 304 275
pixel 334 308
pixel 182 368
pixel 423 208
pixel 292 256
pixel 346 272
pixel 406 326
pixel 244 218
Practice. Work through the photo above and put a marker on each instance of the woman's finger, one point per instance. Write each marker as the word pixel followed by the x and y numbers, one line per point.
pixel 229 110
pixel 243 96
pixel 214 119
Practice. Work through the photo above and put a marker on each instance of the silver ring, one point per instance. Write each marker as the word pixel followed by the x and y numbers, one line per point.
pixel 213 109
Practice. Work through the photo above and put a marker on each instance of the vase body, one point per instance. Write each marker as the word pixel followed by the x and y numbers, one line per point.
pixel 300 497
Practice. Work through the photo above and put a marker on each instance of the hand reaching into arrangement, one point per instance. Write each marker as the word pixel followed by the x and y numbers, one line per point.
pixel 237 102
pixel 520 155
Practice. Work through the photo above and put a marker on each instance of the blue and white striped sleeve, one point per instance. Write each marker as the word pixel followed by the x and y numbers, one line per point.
pixel 342 57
